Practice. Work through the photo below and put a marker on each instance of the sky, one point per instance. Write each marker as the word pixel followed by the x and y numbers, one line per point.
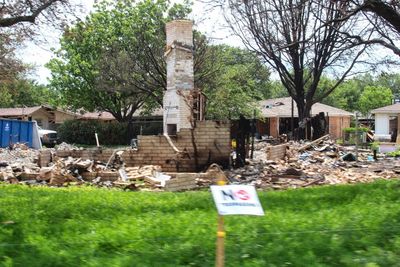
pixel 209 22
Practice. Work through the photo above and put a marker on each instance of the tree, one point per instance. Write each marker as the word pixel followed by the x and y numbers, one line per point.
pixel 390 80
pixel 240 80
pixel 381 21
pixel 374 97
pixel 275 90
pixel 23 92
pixel 10 66
pixel 18 20
pixel 30 11
pixel 347 94
pixel 295 40
pixel 114 61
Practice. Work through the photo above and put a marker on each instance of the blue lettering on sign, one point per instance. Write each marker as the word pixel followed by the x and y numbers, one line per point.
pixel 7 127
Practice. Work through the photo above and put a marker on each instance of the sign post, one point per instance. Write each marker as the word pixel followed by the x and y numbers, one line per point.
pixel 220 258
pixel 230 200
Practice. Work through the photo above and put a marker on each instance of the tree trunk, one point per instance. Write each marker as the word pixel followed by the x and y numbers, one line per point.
pixel 304 129
pixel 130 131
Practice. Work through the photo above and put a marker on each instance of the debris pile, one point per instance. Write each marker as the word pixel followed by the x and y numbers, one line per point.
pixel 314 163
pixel 289 165
pixel 18 163
pixel 65 146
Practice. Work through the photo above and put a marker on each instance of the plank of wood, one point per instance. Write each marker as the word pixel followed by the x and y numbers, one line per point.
pixel 315 142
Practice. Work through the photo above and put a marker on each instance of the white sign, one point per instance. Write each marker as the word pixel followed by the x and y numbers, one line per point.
pixel 236 199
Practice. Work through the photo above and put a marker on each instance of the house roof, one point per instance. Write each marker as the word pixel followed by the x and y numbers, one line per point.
pixel 395 108
pixel 97 116
pixel 24 111
pixel 282 107
pixel 10 112
pixel 108 116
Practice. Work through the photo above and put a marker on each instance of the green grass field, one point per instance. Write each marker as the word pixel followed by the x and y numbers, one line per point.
pixel 355 225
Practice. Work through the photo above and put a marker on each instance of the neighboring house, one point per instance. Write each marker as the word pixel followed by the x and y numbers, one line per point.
pixel 46 116
pixel 103 116
pixel 49 118
pixel 157 115
pixel 142 124
pixel 277 114
pixel 386 122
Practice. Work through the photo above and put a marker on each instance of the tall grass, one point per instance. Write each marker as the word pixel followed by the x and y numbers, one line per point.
pixel 327 226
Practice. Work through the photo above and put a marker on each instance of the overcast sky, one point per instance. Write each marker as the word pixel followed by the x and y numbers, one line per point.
pixel 209 22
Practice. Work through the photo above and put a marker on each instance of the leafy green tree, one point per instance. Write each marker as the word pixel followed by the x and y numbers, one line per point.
pixel 295 40
pixel 374 97
pixel 114 61
pixel 390 80
pixel 275 90
pixel 240 81
pixel 23 92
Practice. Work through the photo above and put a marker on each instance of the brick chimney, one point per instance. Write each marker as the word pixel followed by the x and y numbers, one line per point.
pixel 180 77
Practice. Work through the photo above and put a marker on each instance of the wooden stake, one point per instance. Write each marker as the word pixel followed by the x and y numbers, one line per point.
pixel 97 139
pixel 220 259
pixel 220 253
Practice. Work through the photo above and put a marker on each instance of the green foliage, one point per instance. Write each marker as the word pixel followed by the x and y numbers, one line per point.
pixel 241 80
pixel 347 95
pixel 22 92
pixel 114 60
pixel 375 145
pixel 394 153
pixel 390 80
pixel 114 133
pixel 355 225
pixel 275 90
pixel 374 97
pixel 354 129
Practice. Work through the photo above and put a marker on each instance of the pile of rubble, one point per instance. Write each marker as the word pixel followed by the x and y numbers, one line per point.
pixel 289 165
pixel 317 163
pixel 45 168
pixel 21 166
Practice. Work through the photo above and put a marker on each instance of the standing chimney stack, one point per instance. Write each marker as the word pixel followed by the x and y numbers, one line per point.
pixel 180 76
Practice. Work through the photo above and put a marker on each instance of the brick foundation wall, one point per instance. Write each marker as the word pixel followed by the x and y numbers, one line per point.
pixel 212 139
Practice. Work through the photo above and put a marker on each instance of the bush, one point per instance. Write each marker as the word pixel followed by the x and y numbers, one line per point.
pixel 114 133
pixel 353 129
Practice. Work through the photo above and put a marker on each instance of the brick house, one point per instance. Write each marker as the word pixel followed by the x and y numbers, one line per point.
pixel 277 117
pixel 46 116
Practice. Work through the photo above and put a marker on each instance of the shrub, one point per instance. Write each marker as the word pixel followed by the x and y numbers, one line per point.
pixel 109 133
pixel 353 129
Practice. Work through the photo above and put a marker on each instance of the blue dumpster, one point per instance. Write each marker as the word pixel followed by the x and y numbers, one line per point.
pixel 15 131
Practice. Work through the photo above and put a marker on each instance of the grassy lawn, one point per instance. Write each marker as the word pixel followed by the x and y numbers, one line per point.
pixel 327 226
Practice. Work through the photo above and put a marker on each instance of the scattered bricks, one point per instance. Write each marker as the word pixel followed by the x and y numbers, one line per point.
pixel 44 158
pixel 63 153
pixel 103 175
pixel 27 176
pixel 60 179
pixel 89 176
pixel 276 152
pixel 182 181
pixel 44 174
pixel 108 176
